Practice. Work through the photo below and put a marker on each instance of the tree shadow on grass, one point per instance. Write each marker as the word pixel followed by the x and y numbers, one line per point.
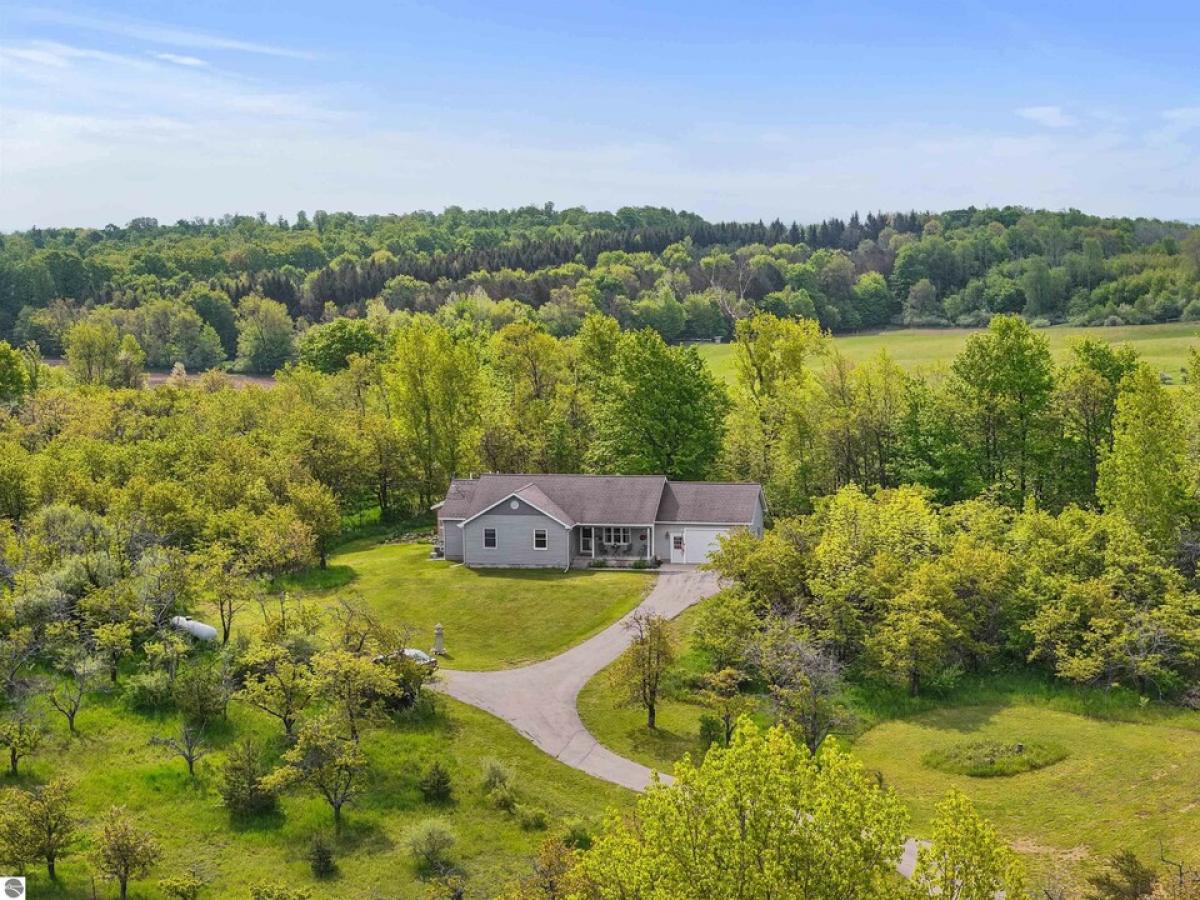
pixel 257 824
pixel 961 719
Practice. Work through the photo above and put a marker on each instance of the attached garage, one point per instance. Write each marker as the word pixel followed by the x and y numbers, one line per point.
pixel 698 542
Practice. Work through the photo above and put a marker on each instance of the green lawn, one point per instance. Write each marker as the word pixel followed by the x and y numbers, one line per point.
pixel 1121 785
pixel 493 618
pixel 1165 347
pixel 111 762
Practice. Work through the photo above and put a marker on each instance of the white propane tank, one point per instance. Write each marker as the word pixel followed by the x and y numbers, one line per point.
pixel 198 630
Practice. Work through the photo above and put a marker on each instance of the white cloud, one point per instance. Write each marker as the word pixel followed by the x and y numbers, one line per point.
pixel 180 60
pixel 1049 116
pixel 163 34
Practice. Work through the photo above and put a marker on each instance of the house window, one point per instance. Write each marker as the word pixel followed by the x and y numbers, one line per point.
pixel 585 540
pixel 489 538
pixel 540 542
pixel 616 534
pixel 677 542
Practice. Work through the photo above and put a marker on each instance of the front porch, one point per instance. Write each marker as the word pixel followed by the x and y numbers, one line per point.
pixel 615 544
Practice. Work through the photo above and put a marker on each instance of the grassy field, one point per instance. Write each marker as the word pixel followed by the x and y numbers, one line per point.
pixel 111 762
pixel 1165 347
pixel 493 618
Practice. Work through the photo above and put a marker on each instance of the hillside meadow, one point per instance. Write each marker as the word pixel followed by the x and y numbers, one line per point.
pixel 1164 347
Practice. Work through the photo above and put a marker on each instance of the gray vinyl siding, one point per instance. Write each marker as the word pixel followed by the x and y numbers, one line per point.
pixel 514 540
pixel 756 524
pixel 452 541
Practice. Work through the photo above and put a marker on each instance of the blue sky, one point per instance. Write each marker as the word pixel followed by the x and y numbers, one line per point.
pixel 794 110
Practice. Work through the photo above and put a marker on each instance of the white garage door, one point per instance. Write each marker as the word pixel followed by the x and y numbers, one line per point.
pixel 699 542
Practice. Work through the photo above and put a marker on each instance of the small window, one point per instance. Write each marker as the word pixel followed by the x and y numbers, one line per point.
pixel 540 541
pixel 677 541
pixel 489 538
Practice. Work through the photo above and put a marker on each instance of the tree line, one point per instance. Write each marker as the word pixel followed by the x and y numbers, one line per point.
pixel 196 293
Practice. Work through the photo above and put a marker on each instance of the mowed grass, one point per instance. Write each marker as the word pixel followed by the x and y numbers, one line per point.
pixel 1165 346
pixel 1121 785
pixel 111 762
pixel 493 618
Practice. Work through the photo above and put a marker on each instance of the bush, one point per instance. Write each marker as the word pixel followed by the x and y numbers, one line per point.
pixel 577 835
pixel 531 818
pixel 241 788
pixel 502 797
pixel 991 759
pixel 199 695
pixel 712 731
pixel 598 564
pixel 641 564
pixel 430 844
pixel 320 856
pixel 495 774
pixel 435 784
pixel 148 691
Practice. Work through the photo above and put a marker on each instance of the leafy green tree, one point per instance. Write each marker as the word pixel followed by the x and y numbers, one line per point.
pixel 40 824
pixel 21 733
pixel 1002 381
pixel 759 819
pixel 276 684
pixel 354 686
pixel 434 384
pixel 659 411
pixel 966 860
pixel 915 639
pixel 1142 478
pixel 14 379
pixel 122 851
pixel 328 348
pixel 640 670
pixel 332 767
pixel 92 348
pixel 266 335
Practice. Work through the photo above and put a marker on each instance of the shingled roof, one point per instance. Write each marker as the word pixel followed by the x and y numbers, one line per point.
pixel 606 499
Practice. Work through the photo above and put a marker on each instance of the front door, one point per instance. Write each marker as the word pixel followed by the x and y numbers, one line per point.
pixel 678 552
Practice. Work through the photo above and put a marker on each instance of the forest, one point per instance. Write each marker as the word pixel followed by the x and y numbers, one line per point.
pixel 1006 513
pixel 243 291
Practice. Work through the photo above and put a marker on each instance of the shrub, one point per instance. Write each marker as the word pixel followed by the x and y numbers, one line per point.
pixel 598 564
pixel 712 731
pixel 430 844
pixel 495 774
pixel 641 564
pixel 502 797
pixel 435 784
pixel 577 835
pixel 199 695
pixel 990 759
pixel 320 856
pixel 531 818
pixel 148 691
pixel 241 788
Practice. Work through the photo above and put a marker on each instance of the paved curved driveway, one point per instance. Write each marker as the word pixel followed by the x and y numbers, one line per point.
pixel 539 700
